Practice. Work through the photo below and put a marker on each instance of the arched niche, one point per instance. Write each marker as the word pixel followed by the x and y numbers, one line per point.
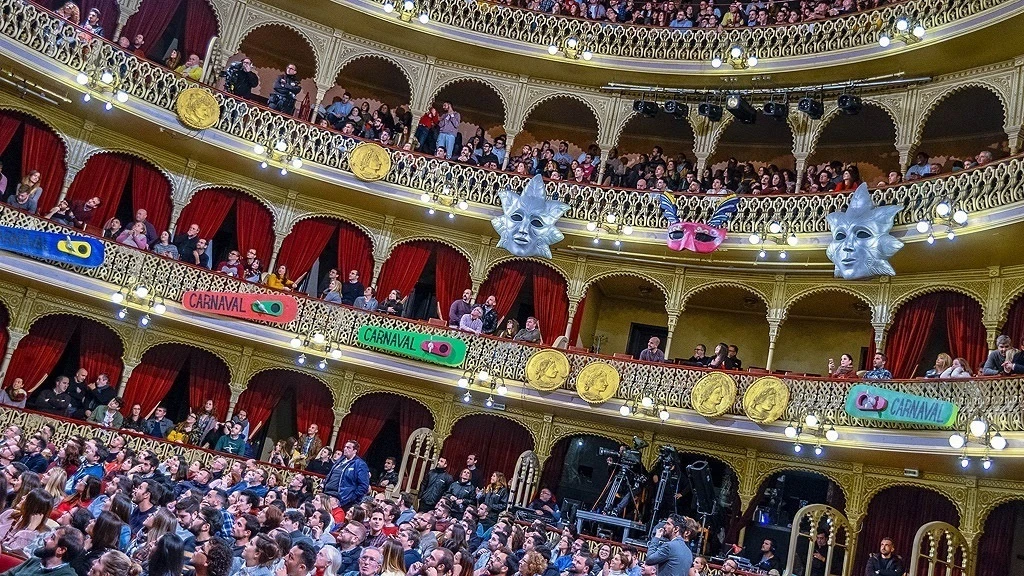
pixel 272 48
pixel 497 442
pixel 867 139
pixel 641 134
pixel 963 124
pixel 576 470
pixel 429 276
pixel 940 321
pixel 181 378
pixel 1014 326
pixel 766 141
pixel 372 79
pixel 32 144
pixel 316 245
pixel 125 184
pixel 999 549
pixel 621 313
pixel 229 220
pixel 524 288
pixel 282 403
pixel 479 104
pixel 560 118
pixel 917 506
pixel 185 25
pixel 724 313
pixel 381 422
pixel 60 345
pixel 831 323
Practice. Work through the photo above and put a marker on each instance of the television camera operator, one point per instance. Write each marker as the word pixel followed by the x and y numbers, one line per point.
pixel 239 78
pixel 670 499
pixel 627 476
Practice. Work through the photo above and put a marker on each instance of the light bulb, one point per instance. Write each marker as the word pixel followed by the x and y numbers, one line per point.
pixel 997 442
pixel 122 313
pixel 919 31
pixel 159 308
pixel 610 218
pixel 108 106
pixel 624 410
pixel 144 321
pixel 107 77
pixel 141 291
pixel 884 41
pixel 296 163
pixel 259 149
pixel 663 414
pixel 82 78
pixel 467 397
pixel 451 216
pixel 775 227
pixel 986 463
pixel 754 238
pixel 783 255
pixel 489 402
pixel 389 7
pixel 86 98
pixel 627 230
pixel 832 435
pixel 295 342
pixel 117 297
pixel 552 49
pixel 483 375
pixel 408 5
pixel 319 338
pixel 322 364
pixel 463 205
pixel 647 402
pixel 280 145
pixel 424 197
pixel 960 216
pixel 579 442
pixel 336 354
pixel 716 62
pixel 587 55
pixel 792 240
pixel 797 448
pixel 923 226
pixel 957 441
pixel 902 24
pixel 463 382
pixel 431 211
pixel 791 431
pixel 965 462
pixel 736 52
pixel 950 235
pixel 301 359
pixel 263 164
pixel 762 254
pixel 502 389
pixel 811 420
pixel 591 226
pixel 931 239
pixel 121 96
pixel 752 61
pixel 597 240
pixel 284 171
pixel 942 208
pixel 424 18
pixel 978 427
pixel 572 42
pixel 818 450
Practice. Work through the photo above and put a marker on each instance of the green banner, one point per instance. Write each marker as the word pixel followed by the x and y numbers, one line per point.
pixel 426 347
pixel 870 402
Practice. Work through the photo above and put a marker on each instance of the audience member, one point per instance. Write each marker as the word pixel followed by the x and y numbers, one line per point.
pixel 530 333
pixel 995 364
pixel 878 371
pixel 844 370
pixel 286 89
pixel 652 353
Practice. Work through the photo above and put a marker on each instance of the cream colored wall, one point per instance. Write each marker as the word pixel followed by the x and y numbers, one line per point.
pixel 747 330
pixel 615 315
pixel 806 344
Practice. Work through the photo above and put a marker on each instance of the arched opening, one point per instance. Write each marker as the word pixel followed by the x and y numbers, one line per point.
pixel 480 107
pixel 727 314
pixel 916 505
pixel 272 48
pixel 381 423
pixel 831 323
pixel 524 288
pixel 184 25
pixel 60 345
pixel 764 143
pixel 229 220
pixel 558 119
pixel 109 12
pixel 372 80
pixel 1001 547
pixel 775 506
pixel 867 139
pixel 1014 327
pixel 428 276
pixel 946 137
pixel 316 245
pixel 621 314
pixel 575 471
pixel 930 324
pixel 281 404
pixel 27 144
pixel 639 137
pixel 497 443
pixel 124 184
pixel 181 379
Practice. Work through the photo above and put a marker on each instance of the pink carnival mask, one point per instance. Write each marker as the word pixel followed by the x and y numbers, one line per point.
pixel 697 236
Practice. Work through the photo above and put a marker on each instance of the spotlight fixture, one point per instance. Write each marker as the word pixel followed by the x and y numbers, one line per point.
pixel 818 450
pixel 712 112
pixel 850 104
pixel 482 375
pixel 741 109
pixel 648 109
pixel 103 82
pixel 814 109
pixel 679 110
pixel 965 461
pixel 625 410
pixel 777 110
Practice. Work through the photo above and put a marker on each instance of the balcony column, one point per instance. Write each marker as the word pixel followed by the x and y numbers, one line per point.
pixel 773 333
pixel 881 328
pixel 904 150
pixel 673 319
pixel 1013 134
pixel 129 367
pixel 15 337
pixel 573 306
pixel 510 138
pixel 339 416
pixel 321 92
pixel 69 177
pixel 801 170
pixel 278 242
pixel 991 331
pixel 236 393
pixel 602 165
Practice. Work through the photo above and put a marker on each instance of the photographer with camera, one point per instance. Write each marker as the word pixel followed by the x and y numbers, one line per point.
pixel 627 475
pixel 286 89
pixel 667 550
pixel 239 79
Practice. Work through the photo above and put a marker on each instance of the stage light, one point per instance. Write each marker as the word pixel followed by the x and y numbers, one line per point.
pixel 389 7
pixel 942 208
pixel 762 254
pixel 552 49
pixel 263 164
pixel 978 427
pixel 424 197
pixel 467 397
pixel 716 62
pixel 777 110
pixel 597 240
pixel 284 171
pixel 108 106
pixel 811 420
pixel 301 359
pixel 627 230
pixel 677 109
pixel 850 104
pixel 591 226
pixel 923 226
pixel 501 389
pixel 107 77
pixel 832 434
pixel 792 239
pixel 950 235
pixel 144 321
pixel 141 291
pixel 919 31
pixel 791 431
pixel 319 338
pixel 960 217
pixel 931 239
pixel 431 211
pixel 463 205
pixel 783 255
pixel 588 55
pixel 741 109
pixel 280 145
pixel 624 410
pixel 618 242
pixel 424 18
pixel 754 238
pixel 483 375
pixel 997 442
pixel 296 163
pixel 902 24
pixel 648 109
pixel 712 112
pixel 86 98
pixel 259 149
pixel 751 61
pixel 736 52
pixel 957 441
pixel 647 402
pixel 814 109
pixel 775 227
pixel 295 342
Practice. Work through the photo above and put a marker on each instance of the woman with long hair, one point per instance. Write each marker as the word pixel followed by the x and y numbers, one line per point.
pixel 153 529
pixel 721 352
pixel 135 420
pixel 496 494
pixel 393 563
pixel 510 330
pixel 328 561
pixel 167 557
pixel 206 419
pixel 454 538
pixel 22 525
pixel 186 431
pixel 270 518
pixel 260 554
pixel 53 481
pixel 14 395
pixel 86 490
pixel 845 368
pixel 942 361
pixel 463 563
pixel 21 486
pixel 959 368
pixel 121 506
pixel 173 60
pixel 699 567
pixel 103 537
pixel 114 563
pixel 69 458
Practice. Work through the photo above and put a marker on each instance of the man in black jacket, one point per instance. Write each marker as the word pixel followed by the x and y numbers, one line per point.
pixel 885 563
pixel 55 400
pixel 352 289
pixel 241 80
pixel 435 484
pixel 286 88
pixel 462 493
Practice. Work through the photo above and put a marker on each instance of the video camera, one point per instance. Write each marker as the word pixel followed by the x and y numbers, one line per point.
pixel 231 74
pixel 626 457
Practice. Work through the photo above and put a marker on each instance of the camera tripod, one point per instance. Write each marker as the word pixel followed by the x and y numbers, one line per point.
pixel 622 475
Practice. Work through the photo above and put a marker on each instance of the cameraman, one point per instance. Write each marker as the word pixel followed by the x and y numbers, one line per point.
pixel 239 79
pixel 286 88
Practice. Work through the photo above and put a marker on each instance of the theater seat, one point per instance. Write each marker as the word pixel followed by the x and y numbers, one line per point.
pixel 437 322
pixel 7 562
pixel 622 356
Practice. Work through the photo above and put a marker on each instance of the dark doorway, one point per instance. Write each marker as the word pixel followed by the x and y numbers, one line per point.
pixel 388 443
pixel 176 400
pixel 225 240
pixel 422 303
pixel 281 425
pixel 639 334
pixel 68 363
pixel 584 470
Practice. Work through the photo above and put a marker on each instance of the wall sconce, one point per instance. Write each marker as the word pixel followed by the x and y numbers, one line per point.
pixel 904 30
pixel 103 82
pixel 947 214
pixel 446 199
pixel 572 48
pixel 979 432
pixel 820 430
pixel 316 344
pixel 145 295
pixel 737 57
pixel 609 222
pixel 408 9
pixel 776 232
pixel 281 152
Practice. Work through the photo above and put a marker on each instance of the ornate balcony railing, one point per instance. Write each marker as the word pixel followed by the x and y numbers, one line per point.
pixel 987 187
pixel 697 44
pixel 1000 399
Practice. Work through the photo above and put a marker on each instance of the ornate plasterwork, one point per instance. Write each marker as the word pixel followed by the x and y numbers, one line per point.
pixel 256 15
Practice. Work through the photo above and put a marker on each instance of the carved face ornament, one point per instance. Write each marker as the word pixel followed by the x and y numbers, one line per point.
pixel 861 244
pixel 527 227
pixel 698 236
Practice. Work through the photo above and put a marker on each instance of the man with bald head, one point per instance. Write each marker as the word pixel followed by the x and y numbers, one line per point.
pixel 151 234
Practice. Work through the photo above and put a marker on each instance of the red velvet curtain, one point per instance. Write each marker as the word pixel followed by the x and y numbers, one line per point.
pixel 39 351
pixel 504 282
pixel 208 379
pixel 153 378
pixel 261 397
pixel 100 351
pixel 43 150
pixel 151 21
pixel 313 405
pixel 1014 327
pixel 496 441
pixel 208 209
pixel 254 227
pixel 5 321
pixel 365 420
pixel 577 322
pixel 104 176
pixel 964 330
pixel 550 302
pixel 403 268
pixel 909 334
pixel 916 506
pixel 451 275
pixel 152 192
pixel 996 545
pixel 9 124
pixel 411 416
pixel 200 26
pixel 355 252
pixel 304 244
pixel 551 476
